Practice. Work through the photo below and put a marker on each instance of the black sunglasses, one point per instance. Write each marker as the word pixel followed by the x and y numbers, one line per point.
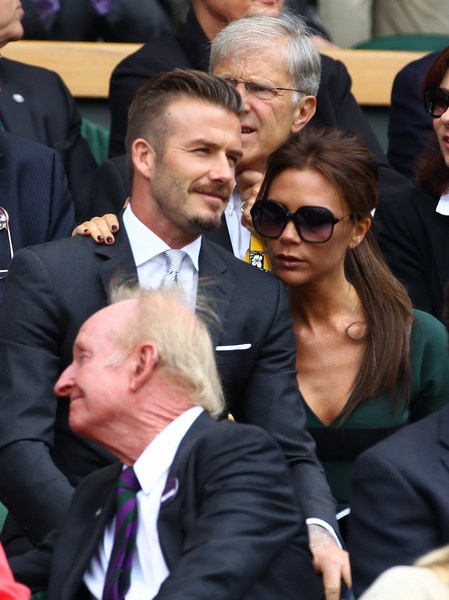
pixel 436 101
pixel 314 224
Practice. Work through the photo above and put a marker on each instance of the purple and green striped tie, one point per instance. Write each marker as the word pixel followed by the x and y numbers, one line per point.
pixel 118 576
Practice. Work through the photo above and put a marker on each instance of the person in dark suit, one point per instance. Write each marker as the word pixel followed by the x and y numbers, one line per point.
pixel 399 500
pixel 184 143
pixel 35 196
pixel 413 227
pixel 36 104
pixel 409 126
pixel 216 510
pixel 83 20
pixel 190 48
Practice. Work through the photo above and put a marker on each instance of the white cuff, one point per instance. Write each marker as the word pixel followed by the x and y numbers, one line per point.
pixel 327 527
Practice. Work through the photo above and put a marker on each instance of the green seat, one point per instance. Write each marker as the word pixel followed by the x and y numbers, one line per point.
pixel 3 513
pixel 97 136
pixel 419 42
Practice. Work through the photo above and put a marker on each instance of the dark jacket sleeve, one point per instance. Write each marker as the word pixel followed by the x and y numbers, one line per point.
pixel 246 521
pixel 261 384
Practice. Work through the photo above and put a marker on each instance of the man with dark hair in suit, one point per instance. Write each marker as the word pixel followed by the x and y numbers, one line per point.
pixel 184 143
pixel 213 511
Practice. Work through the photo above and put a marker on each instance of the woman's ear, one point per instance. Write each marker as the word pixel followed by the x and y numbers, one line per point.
pixel 360 229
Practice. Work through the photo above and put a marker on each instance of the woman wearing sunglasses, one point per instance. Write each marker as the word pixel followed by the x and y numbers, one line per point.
pixel 413 227
pixel 367 363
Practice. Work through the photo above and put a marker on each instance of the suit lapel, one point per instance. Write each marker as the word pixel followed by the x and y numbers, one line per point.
pixel 15 112
pixel 117 260
pixel 76 548
pixel 217 285
pixel 172 515
pixel 221 236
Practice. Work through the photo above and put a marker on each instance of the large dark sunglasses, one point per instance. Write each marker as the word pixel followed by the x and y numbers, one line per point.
pixel 314 224
pixel 436 101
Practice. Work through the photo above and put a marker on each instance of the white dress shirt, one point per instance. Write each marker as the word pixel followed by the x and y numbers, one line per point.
pixel 443 205
pixel 149 569
pixel 148 251
pixel 237 232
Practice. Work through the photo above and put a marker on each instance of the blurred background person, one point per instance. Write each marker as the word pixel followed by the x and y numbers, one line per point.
pixel 413 227
pixel 36 104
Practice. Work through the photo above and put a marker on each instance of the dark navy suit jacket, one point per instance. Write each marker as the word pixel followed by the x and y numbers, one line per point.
pixel 36 104
pixel 231 529
pixel 52 289
pixel 399 499
pixel 414 239
pixel 33 190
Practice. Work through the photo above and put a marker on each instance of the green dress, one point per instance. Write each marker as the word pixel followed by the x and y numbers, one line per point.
pixel 338 445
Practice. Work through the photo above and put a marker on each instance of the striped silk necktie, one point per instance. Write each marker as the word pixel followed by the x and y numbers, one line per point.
pixel 173 262
pixel 118 576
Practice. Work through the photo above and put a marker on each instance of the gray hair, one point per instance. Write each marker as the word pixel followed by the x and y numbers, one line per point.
pixel 183 342
pixel 253 34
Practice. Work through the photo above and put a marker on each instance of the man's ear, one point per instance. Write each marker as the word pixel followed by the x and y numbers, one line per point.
pixel 304 112
pixel 143 363
pixel 143 157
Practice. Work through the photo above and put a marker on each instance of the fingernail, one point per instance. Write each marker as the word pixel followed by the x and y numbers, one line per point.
pixel 85 230
pixel 100 238
pixel 114 228
pixel 109 239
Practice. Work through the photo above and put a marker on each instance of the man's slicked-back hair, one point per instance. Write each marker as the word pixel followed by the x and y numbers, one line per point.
pixel 147 115
pixel 249 36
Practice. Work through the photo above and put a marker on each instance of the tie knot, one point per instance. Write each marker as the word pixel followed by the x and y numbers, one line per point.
pixel 173 260
pixel 128 480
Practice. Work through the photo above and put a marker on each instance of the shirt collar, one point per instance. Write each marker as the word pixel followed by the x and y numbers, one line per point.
pixel 443 205
pixel 145 244
pixel 158 456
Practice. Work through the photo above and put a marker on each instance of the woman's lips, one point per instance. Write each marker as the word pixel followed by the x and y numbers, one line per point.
pixel 288 261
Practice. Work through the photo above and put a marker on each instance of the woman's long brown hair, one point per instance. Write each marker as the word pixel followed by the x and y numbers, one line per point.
pixel 344 160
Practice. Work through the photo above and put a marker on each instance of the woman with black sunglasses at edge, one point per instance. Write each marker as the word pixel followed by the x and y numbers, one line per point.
pixel 413 227
pixel 367 362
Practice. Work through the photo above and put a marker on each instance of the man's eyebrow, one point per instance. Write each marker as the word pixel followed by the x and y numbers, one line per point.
pixel 214 145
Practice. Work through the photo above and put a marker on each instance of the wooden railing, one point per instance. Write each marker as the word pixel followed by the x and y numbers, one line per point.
pixel 86 67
